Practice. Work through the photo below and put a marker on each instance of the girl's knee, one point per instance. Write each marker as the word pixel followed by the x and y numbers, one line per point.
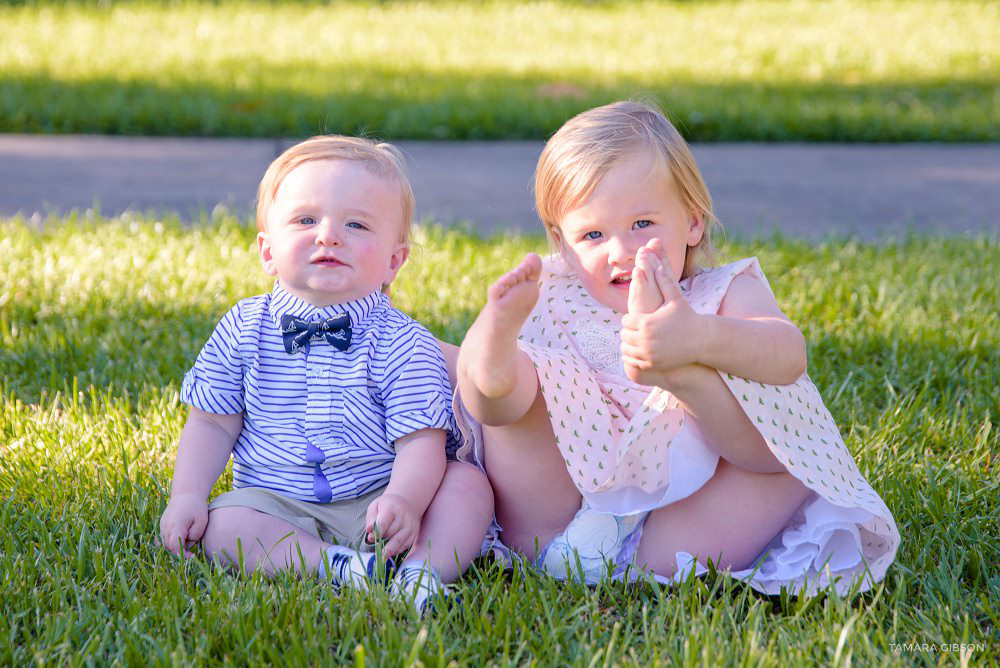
pixel 731 555
pixel 787 493
pixel 729 521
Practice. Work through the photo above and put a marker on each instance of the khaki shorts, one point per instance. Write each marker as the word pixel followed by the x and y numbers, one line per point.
pixel 339 522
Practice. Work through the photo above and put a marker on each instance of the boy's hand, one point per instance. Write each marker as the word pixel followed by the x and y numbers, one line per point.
pixel 398 523
pixel 183 521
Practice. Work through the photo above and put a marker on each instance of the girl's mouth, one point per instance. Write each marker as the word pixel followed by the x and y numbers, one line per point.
pixel 622 281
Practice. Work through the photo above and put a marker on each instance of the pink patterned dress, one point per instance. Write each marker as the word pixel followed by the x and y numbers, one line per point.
pixel 631 448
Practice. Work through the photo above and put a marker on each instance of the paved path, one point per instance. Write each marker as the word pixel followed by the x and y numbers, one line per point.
pixel 803 190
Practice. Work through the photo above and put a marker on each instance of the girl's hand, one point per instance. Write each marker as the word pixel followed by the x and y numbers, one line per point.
pixel 665 340
pixel 398 523
pixel 183 523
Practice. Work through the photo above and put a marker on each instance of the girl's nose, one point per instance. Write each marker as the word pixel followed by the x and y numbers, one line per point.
pixel 622 252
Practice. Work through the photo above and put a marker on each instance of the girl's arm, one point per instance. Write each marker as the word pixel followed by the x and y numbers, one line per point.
pixel 416 474
pixel 680 351
pixel 750 337
pixel 202 453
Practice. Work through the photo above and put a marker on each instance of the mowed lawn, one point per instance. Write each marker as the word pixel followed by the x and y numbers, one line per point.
pixel 99 319
pixel 771 70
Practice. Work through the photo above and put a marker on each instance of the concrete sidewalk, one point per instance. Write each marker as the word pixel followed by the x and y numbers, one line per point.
pixel 802 190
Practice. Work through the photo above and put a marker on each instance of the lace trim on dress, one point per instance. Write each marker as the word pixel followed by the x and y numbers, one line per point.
pixel 599 345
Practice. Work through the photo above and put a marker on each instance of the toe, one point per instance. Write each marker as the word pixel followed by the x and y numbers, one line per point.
pixel 534 264
pixel 644 295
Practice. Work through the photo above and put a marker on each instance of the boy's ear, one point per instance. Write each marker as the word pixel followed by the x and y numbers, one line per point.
pixel 264 249
pixel 396 261
pixel 697 229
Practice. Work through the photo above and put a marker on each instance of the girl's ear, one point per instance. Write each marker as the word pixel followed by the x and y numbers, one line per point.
pixel 558 240
pixel 697 230
pixel 562 247
pixel 266 259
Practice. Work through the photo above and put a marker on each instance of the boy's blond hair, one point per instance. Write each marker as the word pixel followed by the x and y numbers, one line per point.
pixel 578 156
pixel 380 158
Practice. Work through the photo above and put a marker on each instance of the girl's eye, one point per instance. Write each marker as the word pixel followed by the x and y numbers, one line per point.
pixel 594 234
pixel 356 225
pixel 307 220
pixel 641 224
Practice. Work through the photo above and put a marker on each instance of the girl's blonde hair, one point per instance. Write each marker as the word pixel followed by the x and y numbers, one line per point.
pixel 384 160
pixel 578 156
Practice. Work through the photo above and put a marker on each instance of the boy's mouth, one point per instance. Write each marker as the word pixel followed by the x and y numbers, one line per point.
pixel 328 262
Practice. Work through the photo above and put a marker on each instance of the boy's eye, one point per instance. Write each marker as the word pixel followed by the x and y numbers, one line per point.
pixel 307 220
pixel 593 234
pixel 640 224
pixel 356 225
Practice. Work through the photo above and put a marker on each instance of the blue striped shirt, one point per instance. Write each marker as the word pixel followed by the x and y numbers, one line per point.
pixel 320 425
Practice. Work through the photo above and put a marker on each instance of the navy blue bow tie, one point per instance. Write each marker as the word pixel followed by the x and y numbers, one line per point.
pixel 296 332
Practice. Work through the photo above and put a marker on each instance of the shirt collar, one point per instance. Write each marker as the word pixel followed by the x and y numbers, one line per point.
pixel 285 303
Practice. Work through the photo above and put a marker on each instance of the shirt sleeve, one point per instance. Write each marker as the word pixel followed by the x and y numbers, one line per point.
pixel 215 382
pixel 414 385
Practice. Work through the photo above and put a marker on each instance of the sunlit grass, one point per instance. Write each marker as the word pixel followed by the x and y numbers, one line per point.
pixel 761 69
pixel 99 319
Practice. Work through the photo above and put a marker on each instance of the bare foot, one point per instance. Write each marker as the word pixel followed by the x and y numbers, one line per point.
pixel 488 354
pixel 644 294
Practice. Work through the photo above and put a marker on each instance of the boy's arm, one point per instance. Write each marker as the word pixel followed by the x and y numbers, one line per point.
pixel 416 475
pixel 450 354
pixel 202 453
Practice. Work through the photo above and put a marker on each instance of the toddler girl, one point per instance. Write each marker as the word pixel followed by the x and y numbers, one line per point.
pixel 631 406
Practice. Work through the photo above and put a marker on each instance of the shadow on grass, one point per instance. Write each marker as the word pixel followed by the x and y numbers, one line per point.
pixel 130 345
pixel 403 103
pixel 124 346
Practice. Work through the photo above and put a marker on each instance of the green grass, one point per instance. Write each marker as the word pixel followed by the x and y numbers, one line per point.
pixel 771 70
pixel 99 319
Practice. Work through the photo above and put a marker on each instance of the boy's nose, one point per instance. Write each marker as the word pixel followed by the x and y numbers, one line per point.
pixel 327 234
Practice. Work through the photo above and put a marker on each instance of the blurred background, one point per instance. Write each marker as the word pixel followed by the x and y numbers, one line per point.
pixel 774 70
pixel 842 72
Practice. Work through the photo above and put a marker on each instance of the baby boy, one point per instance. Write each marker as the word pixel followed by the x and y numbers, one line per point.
pixel 334 405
